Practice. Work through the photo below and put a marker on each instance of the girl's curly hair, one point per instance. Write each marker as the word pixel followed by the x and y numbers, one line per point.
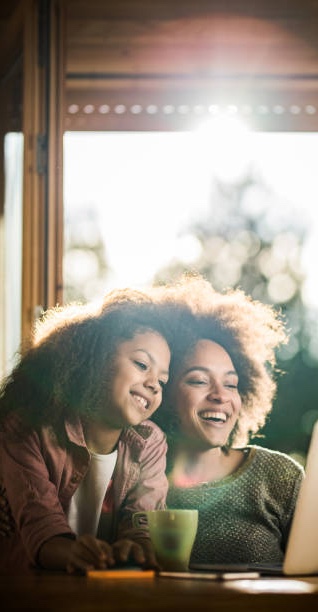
pixel 65 368
pixel 248 330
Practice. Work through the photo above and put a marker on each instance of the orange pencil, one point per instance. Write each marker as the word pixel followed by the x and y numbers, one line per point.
pixel 121 573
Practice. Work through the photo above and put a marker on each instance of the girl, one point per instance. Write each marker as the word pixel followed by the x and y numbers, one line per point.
pixel 78 453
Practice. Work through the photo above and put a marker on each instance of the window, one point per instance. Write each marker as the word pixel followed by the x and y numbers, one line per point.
pixel 11 230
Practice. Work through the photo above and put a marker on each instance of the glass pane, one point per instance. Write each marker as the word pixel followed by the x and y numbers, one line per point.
pixel 133 201
pixel 12 252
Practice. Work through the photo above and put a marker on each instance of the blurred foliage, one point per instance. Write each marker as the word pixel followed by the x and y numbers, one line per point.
pixel 252 239
pixel 85 267
pixel 249 238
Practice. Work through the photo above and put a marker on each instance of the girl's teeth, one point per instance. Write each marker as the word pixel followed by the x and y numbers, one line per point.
pixel 142 401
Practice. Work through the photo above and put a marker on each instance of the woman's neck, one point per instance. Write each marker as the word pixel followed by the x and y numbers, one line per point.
pixel 193 467
pixel 100 439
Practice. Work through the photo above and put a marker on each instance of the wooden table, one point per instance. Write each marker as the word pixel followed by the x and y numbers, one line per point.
pixel 59 592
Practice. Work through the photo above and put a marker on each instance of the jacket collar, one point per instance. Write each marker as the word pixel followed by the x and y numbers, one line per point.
pixel 74 431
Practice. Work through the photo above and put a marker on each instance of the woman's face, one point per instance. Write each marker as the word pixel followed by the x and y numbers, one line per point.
pixel 139 373
pixel 206 395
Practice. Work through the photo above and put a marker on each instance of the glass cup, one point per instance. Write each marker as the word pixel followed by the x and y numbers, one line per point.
pixel 172 534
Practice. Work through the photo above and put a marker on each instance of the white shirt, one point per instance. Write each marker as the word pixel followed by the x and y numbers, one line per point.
pixel 86 503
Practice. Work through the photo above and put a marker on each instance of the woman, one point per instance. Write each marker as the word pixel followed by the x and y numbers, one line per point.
pixel 220 392
pixel 78 453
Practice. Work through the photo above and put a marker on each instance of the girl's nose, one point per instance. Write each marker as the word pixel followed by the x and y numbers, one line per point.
pixel 152 383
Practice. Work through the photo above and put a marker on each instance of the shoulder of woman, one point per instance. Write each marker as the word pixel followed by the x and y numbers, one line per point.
pixel 277 461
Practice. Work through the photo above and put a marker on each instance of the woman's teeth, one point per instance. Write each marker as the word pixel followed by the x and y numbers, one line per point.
pixel 216 417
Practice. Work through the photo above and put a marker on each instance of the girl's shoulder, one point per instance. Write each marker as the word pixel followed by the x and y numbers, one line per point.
pixel 143 443
pixel 15 428
pixel 144 434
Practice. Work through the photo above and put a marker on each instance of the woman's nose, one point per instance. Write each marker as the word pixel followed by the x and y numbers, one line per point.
pixel 217 393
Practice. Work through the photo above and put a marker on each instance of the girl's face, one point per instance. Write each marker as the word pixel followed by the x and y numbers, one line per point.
pixel 140 371
pixel 206 395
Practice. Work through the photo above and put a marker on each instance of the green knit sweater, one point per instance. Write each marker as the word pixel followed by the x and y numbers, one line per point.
pixel 245 517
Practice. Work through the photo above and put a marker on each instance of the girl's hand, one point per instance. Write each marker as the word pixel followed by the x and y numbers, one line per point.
pixel 140 553
pixel 76 556
pixel 89 553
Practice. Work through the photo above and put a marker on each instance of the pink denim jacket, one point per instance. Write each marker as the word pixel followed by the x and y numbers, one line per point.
pixel 41 473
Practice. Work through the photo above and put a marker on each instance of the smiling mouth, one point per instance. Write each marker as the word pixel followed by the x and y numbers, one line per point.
pixel 213 417
pixel 141 401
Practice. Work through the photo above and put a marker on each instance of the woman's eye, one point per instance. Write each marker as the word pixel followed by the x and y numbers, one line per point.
pixel 196 381
pixel 141 365
pixel 231 385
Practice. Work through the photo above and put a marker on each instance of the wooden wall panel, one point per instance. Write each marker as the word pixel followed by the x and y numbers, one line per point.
pixel 186 53
pixel 192 37
pixel 11 18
